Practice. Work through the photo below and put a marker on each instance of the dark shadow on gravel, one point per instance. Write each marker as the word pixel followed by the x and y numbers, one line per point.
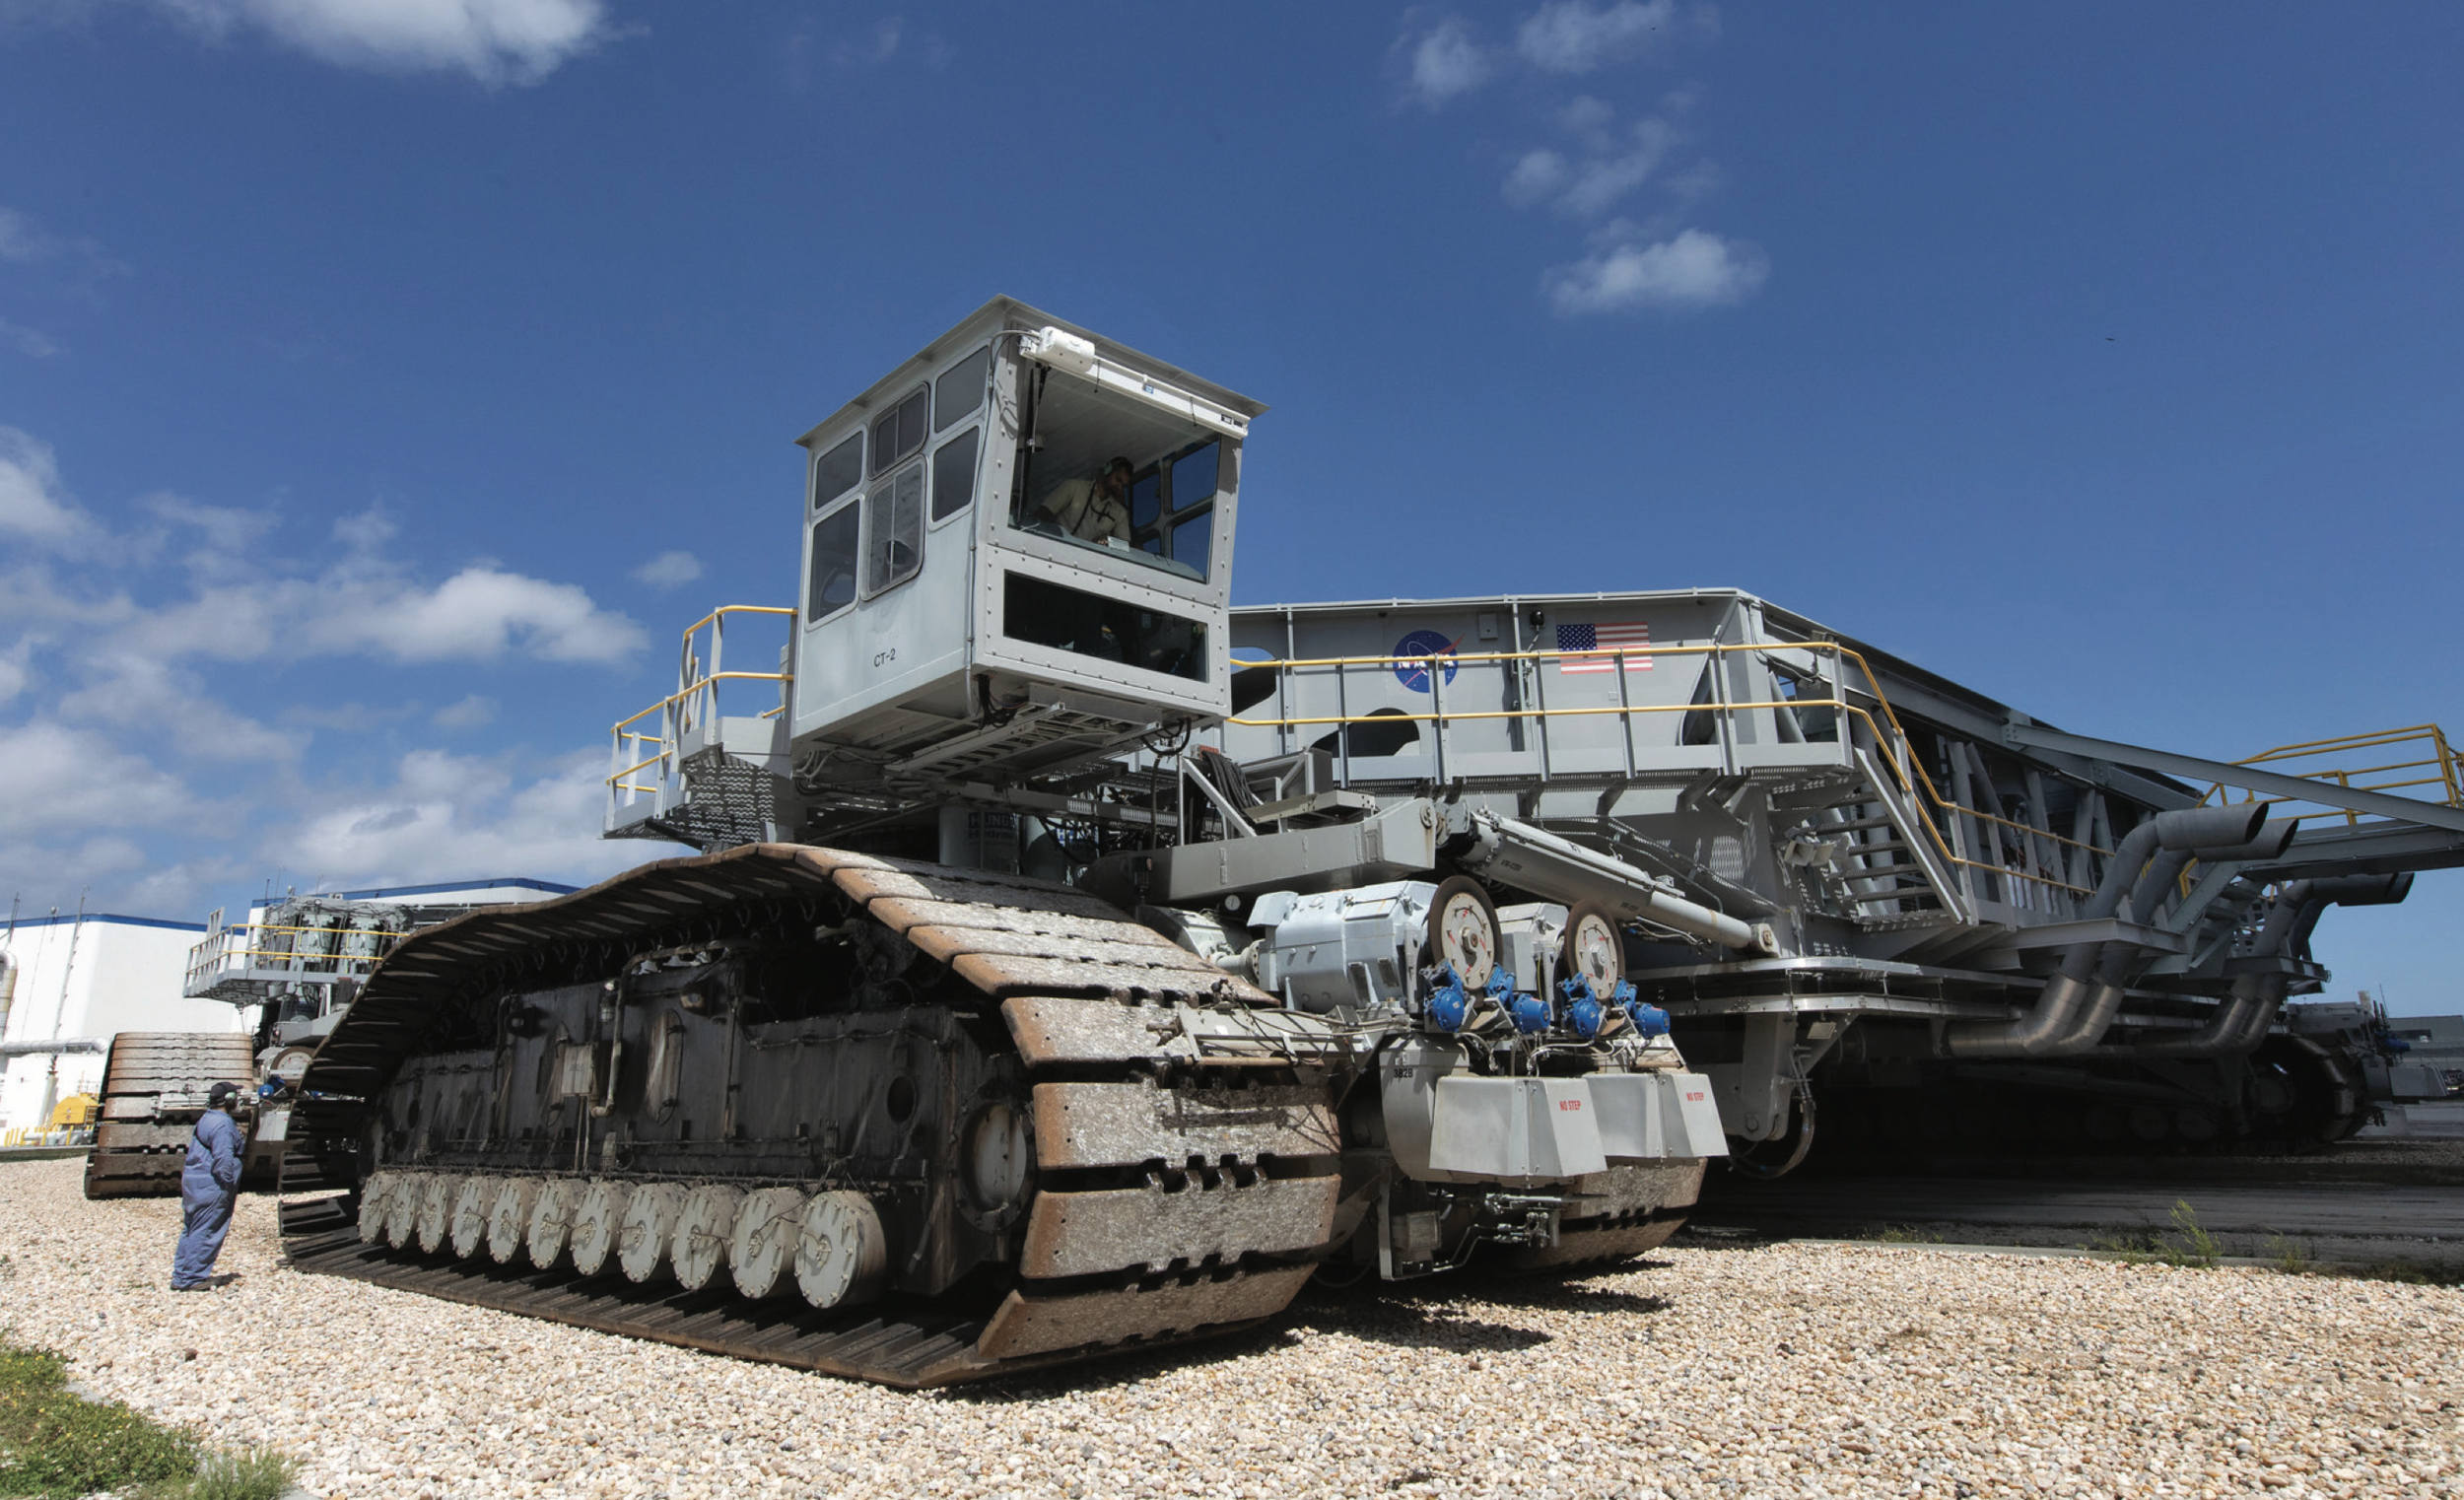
pixel 1579 1299
pixel 1439 1321
pixel 1113 1372
pixel 1722 1237
pixel 1432 1326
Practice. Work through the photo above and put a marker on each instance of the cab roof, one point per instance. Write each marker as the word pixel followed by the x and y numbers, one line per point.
pixel 1012 313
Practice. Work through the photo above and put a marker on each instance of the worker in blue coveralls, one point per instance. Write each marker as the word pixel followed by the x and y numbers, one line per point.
pixel 208 1186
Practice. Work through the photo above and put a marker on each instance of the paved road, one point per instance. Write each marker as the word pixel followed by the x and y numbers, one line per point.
pixel 2065 1213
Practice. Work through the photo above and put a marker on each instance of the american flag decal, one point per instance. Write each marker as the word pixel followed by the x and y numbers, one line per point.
pixel 1618 636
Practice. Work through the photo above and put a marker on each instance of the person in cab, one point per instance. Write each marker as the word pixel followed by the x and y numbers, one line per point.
pixel 1092 509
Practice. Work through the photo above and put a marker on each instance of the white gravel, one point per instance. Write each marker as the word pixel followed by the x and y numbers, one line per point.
pixel 1780 1371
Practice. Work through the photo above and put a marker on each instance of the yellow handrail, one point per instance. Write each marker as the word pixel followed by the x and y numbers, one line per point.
pixel 736 609
pixel 694 681
pixel 1911 773
pixel 693 687
pixel 294 954
pixel 1897 737
pixel 2441 759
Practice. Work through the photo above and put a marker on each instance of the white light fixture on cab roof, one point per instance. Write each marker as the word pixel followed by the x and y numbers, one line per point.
pixel 1061 350
pixel 1069 352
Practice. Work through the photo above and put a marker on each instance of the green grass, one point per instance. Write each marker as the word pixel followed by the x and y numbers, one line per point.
pixel 2189 1245
pixel 57 1444
pixel 2195 1246
pixel 255 1474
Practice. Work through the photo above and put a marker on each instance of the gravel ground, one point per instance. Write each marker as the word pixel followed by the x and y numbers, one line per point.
pixel 1778 1370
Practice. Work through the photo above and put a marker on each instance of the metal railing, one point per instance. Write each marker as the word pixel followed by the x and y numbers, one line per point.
pixel 2431 764
pixel 260 950
pixel 695 703
pixel 1887 734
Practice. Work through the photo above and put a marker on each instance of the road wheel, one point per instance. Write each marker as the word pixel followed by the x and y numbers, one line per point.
pixel 1594 946
pixel 1463 931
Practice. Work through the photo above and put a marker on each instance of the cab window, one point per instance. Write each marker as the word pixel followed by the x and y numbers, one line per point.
pixel 837 471
pixel 894 529
pixel 960 390
pixel 1181 527
pixel 1055 615
pixel 900 430
pixel 832 583
pixel 954 474
pixel 1071 434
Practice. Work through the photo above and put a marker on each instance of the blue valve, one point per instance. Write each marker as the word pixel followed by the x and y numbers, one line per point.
pixel 1584 1008
pixel 1449 1006
pixel 1591 1009
pixel 1451 1003
pixel 1530 1014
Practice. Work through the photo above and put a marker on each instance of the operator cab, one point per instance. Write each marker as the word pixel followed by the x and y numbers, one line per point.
pixel 1025 524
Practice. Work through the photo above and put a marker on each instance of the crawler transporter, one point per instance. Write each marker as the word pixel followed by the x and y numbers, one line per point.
pixel 1075 962
pixel 1007 1022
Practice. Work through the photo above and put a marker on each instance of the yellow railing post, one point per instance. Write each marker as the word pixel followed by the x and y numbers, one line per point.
pixel 694 703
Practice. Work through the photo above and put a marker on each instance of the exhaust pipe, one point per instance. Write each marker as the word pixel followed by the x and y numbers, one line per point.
pixel 2273 838
pixel 2080 1001
pixel 2113 974
pixel 2241 1022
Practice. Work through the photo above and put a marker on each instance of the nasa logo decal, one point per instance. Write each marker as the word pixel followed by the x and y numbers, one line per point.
pixel 1422 643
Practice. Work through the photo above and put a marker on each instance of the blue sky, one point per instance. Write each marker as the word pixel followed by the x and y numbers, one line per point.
pixel 384 383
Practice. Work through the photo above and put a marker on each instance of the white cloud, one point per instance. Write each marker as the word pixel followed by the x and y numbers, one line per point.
pixel 1444 64
pixel 63 778
pixel 469 714
pixel 144 695
pixel 362 604
pixel 100 867
pixel 366 532
pixel 1538 176
pixel 669 569
pixel 15 669
pixel 33 343
pixel 23 239
pixel 450 817
pixel 480 613
pixel 32 505
pixel 493 40
pixel 880 50
pixel 1612 165
pixel 1654 263
pixel 1695 269
pixel 227 531
pixel 135 658
pixel 1575 36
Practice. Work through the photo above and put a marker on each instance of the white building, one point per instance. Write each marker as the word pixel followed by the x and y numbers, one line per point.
pixel 69 985
pixel 80 981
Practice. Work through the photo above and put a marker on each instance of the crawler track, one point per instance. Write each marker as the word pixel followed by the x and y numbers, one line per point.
pixel 910 1346
pixel 1166 1210
pixel 154 1087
